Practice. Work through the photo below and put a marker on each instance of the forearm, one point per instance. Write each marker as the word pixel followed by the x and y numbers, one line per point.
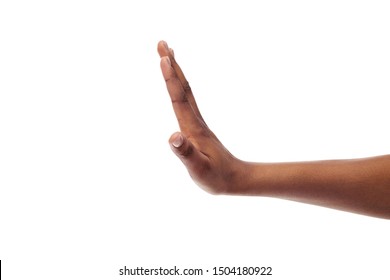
pixel 359 185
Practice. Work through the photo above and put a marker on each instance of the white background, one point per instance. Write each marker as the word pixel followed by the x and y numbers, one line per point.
pixel 88 183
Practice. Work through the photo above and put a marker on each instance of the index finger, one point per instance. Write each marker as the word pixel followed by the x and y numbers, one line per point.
pixel 164 50
pixel 188 121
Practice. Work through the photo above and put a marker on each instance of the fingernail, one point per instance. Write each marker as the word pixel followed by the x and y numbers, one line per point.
pixel 168 60
pixel 178 141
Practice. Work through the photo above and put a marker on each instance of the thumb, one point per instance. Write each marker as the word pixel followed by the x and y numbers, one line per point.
pixel 192 158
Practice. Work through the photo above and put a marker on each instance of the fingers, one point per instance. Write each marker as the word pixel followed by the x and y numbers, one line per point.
pixel 164 50
pixel 192 158
pixel 185 115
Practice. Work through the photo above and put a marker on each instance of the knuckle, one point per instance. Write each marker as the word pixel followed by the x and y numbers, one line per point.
pixel 186 150
pixel 186 86
pixel 181 98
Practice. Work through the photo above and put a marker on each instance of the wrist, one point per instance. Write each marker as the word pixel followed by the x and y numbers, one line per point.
pixel 247 179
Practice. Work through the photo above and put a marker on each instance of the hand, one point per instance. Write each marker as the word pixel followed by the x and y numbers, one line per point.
pixel 358 185
pixel 208 162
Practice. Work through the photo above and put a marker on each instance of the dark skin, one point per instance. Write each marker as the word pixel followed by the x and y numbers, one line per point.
pixel 355 185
